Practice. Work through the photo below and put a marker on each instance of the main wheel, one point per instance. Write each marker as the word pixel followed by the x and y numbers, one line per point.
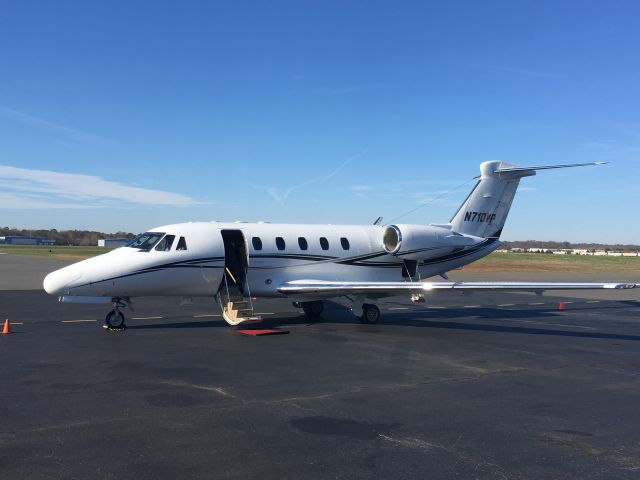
pixel 370 313
pixel 313 309
pixel 114 319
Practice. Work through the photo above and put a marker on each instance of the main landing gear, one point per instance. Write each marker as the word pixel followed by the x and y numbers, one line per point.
pixel 366 312
pixel 370 313
pixel 115 318
pixel 311 309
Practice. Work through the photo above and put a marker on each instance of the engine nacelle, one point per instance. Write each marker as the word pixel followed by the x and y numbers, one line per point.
pixel 420 242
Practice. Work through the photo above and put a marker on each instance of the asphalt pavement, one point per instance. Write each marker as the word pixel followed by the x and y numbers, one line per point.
pixel 484 386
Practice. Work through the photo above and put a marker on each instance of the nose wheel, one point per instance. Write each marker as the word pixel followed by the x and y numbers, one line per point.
pixel 115 318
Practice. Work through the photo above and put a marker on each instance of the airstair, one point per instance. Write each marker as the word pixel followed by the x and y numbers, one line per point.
pixel 236 302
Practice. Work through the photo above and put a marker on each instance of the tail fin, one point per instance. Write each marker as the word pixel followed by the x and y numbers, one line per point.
pixel 485 210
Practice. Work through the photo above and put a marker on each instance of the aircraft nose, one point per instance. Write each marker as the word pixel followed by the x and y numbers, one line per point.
pixel 57 282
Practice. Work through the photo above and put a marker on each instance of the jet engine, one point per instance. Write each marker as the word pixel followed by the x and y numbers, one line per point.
pixel 420 242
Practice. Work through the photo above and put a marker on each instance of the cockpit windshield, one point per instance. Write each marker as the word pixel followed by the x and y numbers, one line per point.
pixel 145 241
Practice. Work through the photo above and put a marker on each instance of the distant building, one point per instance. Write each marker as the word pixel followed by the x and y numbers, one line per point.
pixel 16 240
pixel 113 242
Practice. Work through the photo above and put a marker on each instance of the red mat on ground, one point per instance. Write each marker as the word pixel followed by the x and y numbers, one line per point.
pixel 254 332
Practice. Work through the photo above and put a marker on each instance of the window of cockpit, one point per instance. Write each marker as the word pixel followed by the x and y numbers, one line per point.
pixel 182 244
pixel 302 243
pixel 164 245
pixel 280 243
pixel 145 241
pixel 257 243
pixel 345 243
pixel 324 243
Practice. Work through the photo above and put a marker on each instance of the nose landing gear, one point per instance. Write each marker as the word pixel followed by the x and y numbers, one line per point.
pixel 115 318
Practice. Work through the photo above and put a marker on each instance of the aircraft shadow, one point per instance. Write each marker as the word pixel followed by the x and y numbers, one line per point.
pixel 193 324
pixel 447 319
pixel 336 314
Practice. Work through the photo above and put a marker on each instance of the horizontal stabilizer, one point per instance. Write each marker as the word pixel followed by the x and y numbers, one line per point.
pixel 545 167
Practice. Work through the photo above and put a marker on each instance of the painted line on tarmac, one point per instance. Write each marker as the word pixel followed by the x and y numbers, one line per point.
pixel 265 313
pixel 79 321
pixel 472 306
pixel 506 305
pixel 536 303
pixel 207 315
pixel 146 318
pixel 15 323
pixel 436 308
pixel 593 301
pixel 398 308
pixel 536 322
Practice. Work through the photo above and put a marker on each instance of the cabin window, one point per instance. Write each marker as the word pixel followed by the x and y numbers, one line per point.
pixel 257 243
pixel 165 244
pixel 145 241
pixel 302 242
pixel 280 243
pixel 324 243
pixel 182 244
pixel 345 243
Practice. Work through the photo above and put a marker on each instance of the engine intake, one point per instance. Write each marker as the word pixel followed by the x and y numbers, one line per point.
pixel 392 239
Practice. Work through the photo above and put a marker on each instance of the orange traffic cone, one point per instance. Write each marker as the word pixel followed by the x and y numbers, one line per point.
pixel 561 306
pixel 6 330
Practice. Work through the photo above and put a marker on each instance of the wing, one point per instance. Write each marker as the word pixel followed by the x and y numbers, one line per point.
pixel 329 289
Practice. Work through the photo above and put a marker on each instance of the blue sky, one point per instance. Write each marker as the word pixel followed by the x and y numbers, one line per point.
pixel 129 115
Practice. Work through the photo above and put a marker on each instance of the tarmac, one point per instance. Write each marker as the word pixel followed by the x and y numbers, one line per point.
pixel 487 386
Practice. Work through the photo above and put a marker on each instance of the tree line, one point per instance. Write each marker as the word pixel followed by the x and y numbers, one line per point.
pixel 65 237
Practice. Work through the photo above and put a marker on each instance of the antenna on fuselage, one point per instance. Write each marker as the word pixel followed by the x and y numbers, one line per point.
pixel 378 221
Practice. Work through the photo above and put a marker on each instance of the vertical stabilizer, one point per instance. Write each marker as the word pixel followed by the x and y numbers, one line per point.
pixel 485 210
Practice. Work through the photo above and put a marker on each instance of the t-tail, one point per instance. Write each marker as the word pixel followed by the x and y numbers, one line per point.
pixel 485 210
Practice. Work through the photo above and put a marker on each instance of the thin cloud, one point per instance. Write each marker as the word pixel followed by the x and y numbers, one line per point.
pixel 280 197
pixel 411 190
pixel 10 201
pixel 29 189
pixel 73 134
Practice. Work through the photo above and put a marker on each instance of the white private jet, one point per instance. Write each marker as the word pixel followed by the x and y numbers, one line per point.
pixel 237 262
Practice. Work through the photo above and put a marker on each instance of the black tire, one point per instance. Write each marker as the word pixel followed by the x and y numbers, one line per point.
pixel 370 314
pixel 313 309
pixel 115 320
